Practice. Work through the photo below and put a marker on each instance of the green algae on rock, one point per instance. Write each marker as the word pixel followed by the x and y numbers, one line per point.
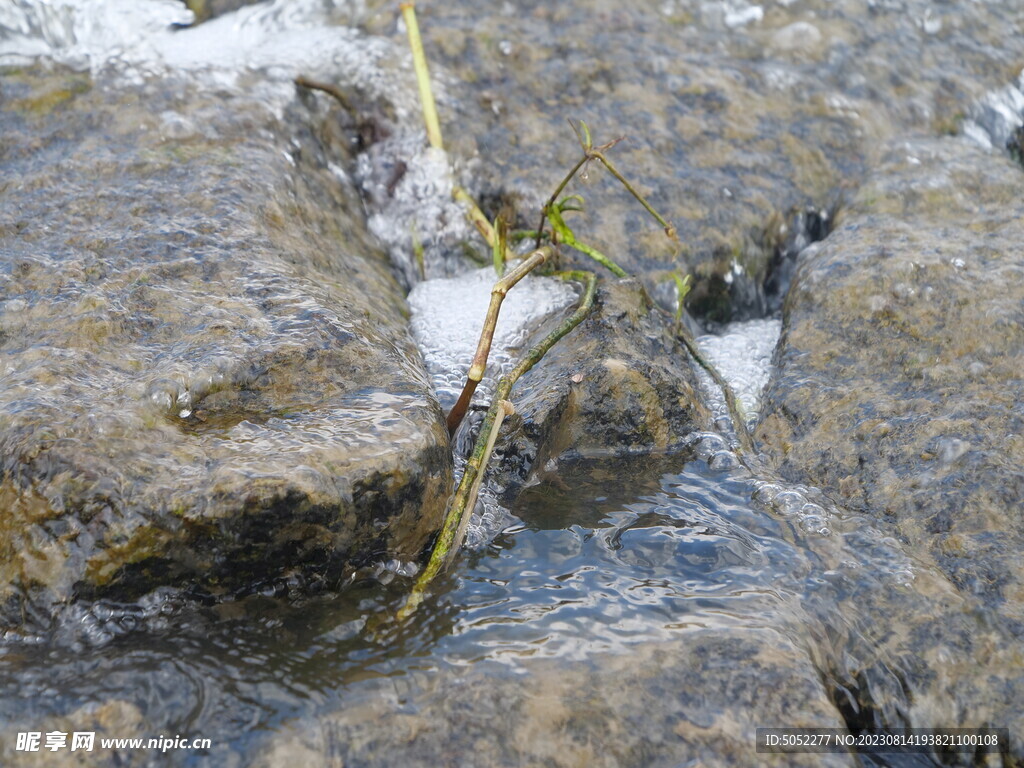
pixel 208 378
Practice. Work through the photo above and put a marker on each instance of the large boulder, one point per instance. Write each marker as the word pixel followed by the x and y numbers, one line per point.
pixel 898 391
pixel 207 375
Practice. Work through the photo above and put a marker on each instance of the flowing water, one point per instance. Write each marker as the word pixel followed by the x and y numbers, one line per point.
pixel 584 610
pixel 589 571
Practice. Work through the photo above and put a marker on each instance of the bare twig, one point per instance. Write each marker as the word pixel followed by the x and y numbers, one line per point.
pixel 590 152
pixel 475 215
pixel 328 88
pixel 599 155
pixel 479 364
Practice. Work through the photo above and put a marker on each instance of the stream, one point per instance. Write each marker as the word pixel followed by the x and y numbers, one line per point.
pixel 609 608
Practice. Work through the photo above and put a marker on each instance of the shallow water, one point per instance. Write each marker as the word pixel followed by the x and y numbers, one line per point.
pixel 584 578
pixel 588 571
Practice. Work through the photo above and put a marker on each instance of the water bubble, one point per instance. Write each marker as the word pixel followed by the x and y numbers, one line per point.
pixel 813 510
pixel 789 503
pixel 765 493
pixel 723 460
pixel 743 355
pixel 814 524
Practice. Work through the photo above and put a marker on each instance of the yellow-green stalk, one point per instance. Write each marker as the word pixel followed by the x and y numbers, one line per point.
pixel 419 62
pixel 450 538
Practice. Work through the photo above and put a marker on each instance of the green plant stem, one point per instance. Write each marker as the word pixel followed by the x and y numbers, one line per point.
pixel 499 248
pixel 683 284
pixel 600 258
pixel 484 227
pixel 417 250
pixel 568 237
pixel 419 62
pixel 731 401
pixel 669 229
pixel 475 215
pixel 591 153
pixel 505 408
pixel 449 540
pixel 430 119
pixel 554 197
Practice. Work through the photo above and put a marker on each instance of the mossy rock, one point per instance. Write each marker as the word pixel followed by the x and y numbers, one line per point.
pixel 898 391
pixel 208 379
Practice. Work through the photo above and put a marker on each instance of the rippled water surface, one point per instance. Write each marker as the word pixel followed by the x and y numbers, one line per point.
pixel 611 612
pixel 589 571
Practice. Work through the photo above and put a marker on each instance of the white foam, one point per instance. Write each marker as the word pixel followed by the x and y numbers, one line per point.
pixel 136 39
pixel 742 15
pixel 448 313
pixel 996 116
pixel 81 33
pixel 743 355
pixel 408 187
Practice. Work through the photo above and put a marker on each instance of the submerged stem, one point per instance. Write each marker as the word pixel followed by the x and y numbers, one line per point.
pixel 731 401
pixel 499 247
pixel 453 528
pixel 484 227
pixel 475 215
pixel 332 90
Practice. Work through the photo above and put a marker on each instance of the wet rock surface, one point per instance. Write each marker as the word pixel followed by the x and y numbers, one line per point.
pixel 738 115
pixel 620 384
pixel 898 391
pixel 650 610
pixel 207 376
pixel 697 701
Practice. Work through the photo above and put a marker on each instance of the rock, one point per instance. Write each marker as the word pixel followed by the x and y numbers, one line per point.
pixel 697 701
pixel 618 384
pixel 730 130
pixel 694 148
pixel 798 37
pixel 207 375
pixel 898 391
